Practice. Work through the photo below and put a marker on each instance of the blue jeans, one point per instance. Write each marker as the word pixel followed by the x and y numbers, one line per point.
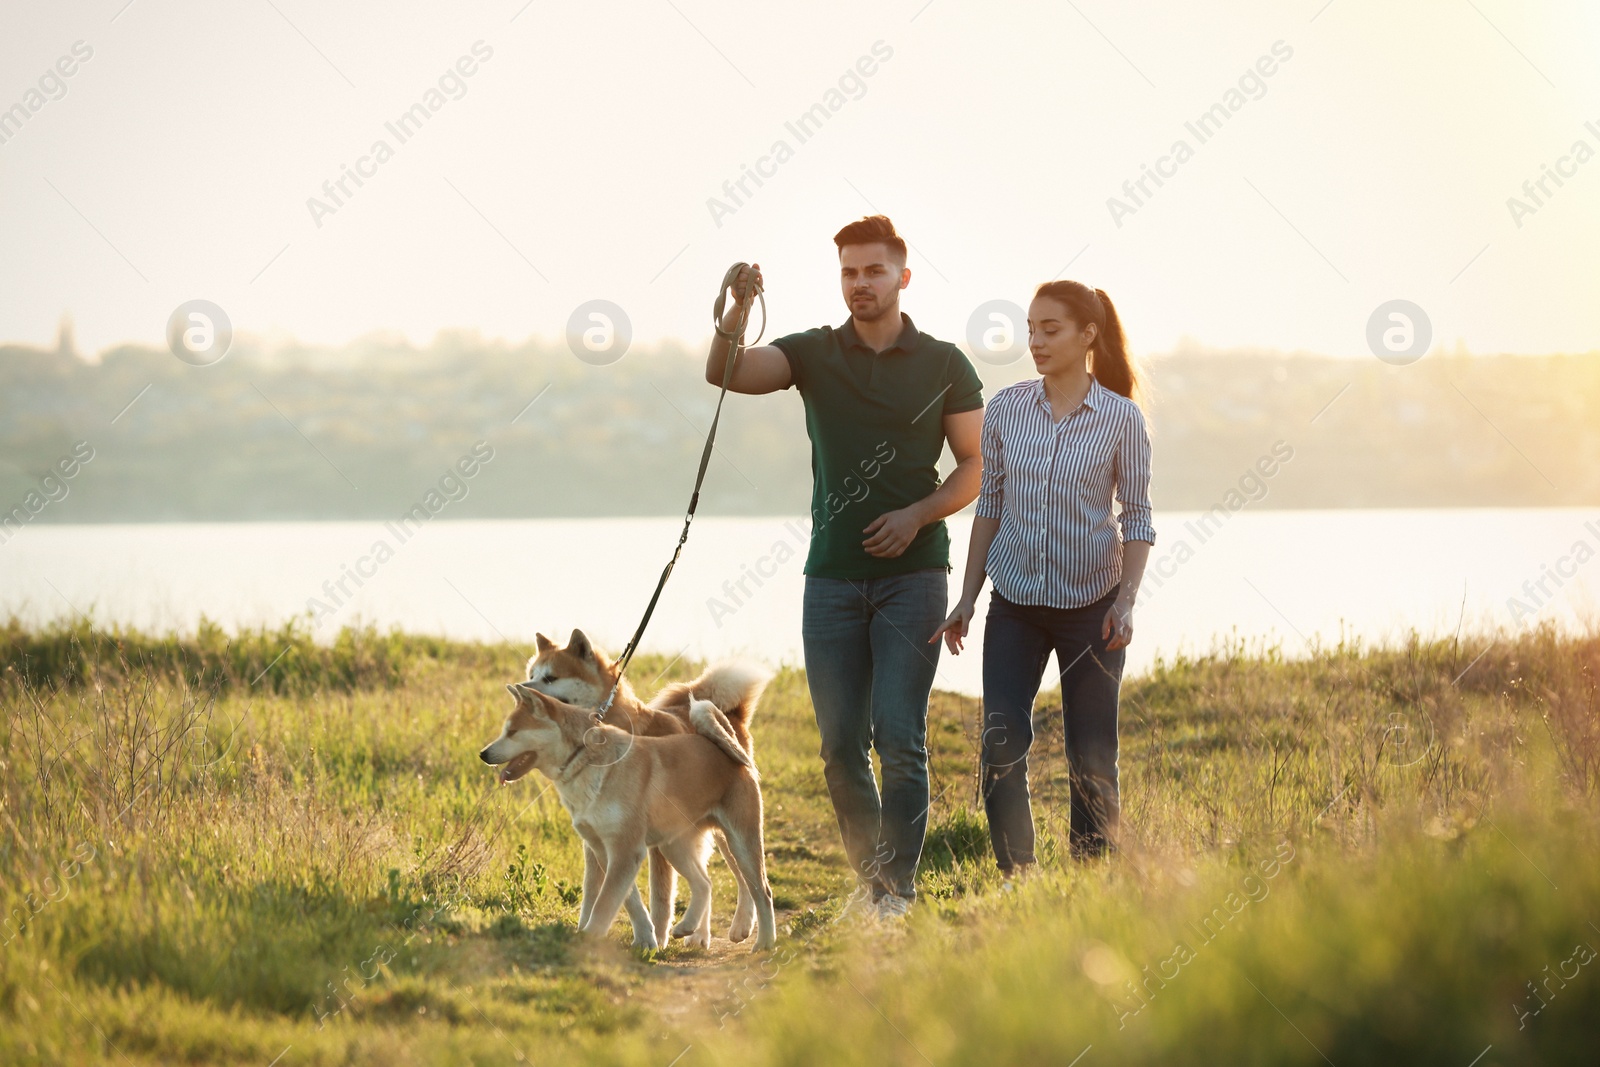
pixel 1017 642
pixel 870 668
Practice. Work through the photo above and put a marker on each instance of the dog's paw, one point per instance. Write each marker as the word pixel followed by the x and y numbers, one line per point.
pixel 645 940
pixel 764 943
pixel 683 929
pixel 699 938
pixel 744 917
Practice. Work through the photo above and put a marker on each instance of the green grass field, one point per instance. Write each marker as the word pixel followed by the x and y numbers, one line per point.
pixel 252 849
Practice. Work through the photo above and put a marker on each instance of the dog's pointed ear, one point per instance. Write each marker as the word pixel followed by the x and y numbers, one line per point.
pixel 578 645
pixel 525 694
pixel 544 643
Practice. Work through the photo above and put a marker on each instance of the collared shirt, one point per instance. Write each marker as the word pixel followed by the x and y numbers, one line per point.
pixel 1051 486
pixel 876 423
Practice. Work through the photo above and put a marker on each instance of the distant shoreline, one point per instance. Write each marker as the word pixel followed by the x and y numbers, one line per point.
pixel 313 434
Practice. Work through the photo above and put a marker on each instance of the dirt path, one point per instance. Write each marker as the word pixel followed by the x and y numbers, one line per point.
pixel 684 984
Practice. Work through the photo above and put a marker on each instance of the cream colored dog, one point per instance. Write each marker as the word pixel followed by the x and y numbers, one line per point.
pixel 628 794
pixel 581 674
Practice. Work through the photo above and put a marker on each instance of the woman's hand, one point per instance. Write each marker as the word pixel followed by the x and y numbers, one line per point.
pixel 1118 625
pixel 955 627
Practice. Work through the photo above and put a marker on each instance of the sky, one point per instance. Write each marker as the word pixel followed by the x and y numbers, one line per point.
pixel 585 156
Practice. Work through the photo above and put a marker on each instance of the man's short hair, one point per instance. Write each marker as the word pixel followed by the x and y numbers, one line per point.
pixel 872 230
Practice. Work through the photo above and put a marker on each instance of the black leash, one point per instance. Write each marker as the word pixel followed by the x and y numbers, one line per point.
pixel 728 280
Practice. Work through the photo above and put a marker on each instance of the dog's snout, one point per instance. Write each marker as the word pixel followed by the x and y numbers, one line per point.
pixel 484 755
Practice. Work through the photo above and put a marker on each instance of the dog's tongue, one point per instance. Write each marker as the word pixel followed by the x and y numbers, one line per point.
pixel 515 768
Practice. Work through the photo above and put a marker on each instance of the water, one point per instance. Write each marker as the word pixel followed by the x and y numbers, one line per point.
pixel 1289 577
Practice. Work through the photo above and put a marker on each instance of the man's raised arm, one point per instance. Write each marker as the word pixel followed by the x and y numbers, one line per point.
pixel 763 369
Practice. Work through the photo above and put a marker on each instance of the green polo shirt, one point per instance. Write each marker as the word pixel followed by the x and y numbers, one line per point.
pixel 876 421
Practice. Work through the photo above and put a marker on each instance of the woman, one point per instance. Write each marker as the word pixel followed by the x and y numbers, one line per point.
pixel 1056 450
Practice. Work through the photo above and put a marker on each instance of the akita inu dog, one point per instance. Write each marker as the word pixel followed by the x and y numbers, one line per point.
pixel 628 794
pixel 581 674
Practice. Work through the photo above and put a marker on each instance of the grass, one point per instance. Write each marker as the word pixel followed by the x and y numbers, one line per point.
pixel 247 848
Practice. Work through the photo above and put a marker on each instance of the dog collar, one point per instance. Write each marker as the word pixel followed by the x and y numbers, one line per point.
pixel 561 772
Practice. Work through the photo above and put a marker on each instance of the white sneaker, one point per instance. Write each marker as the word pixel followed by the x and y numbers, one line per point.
pixel 892 908
pixel 1016 876
pixel 858 906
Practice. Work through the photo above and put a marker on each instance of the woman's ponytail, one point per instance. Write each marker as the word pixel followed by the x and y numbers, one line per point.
pixel 1109 362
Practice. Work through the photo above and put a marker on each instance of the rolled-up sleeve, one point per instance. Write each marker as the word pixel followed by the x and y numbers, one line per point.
pixel 1133 481
pixel 991 487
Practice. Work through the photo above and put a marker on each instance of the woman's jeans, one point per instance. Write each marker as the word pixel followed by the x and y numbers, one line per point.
pixel 870 667
pixel 1017 642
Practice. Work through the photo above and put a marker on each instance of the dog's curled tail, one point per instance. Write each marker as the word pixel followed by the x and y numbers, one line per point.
pixel 735 688
pixel 709 722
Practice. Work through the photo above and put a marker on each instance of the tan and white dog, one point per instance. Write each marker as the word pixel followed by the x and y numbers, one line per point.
pixel 581 674
pixel 628 794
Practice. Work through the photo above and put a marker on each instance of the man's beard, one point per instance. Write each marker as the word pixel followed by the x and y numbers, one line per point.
pixel 872 312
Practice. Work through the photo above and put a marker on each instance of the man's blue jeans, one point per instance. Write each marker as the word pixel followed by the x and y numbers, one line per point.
pixel 1017 642
pixel 870 667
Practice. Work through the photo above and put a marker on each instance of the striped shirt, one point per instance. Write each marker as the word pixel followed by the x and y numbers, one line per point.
pixel 1051 484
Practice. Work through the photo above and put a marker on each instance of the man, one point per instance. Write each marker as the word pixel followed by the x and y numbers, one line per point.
pixel 881 399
